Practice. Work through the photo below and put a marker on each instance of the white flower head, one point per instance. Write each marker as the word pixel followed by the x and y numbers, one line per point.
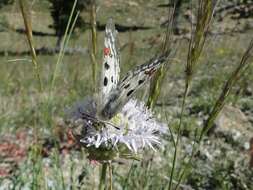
pixel 130 131
pixel 134 126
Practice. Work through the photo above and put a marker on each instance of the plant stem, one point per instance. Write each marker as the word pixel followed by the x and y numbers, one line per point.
pixel 29 35
pixel 238 72
pixel 128 176
pixel 156 82
pixel 178 134
pixel 110 174
pixel 196 45
pixel 66 37
pixel 93 53
pixel 155 87
pixel 102 184
pixel 232 80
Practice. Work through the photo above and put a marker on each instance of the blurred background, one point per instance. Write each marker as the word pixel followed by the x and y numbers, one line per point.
pixel 36 148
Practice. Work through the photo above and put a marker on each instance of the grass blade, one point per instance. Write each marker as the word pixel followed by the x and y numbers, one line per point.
pixel 67 34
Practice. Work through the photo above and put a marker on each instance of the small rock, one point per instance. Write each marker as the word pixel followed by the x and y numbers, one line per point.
pixel 133 3
pixel 248 91
pixel 232 121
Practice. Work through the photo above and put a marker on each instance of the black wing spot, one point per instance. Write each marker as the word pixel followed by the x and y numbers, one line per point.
pixel 141 81
pixel 107 66
pixel 130 92
pixel 124 79
pixel 126 86
pixel 105 81
pixel 112 78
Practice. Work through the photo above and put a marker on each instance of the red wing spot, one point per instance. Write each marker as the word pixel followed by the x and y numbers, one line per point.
pixel 149 72
pixel 107 51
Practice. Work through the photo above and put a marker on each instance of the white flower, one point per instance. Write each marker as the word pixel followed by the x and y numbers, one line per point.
pixel 133 127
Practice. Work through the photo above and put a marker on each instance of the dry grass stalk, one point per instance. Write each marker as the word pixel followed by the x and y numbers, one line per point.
pixel 37 147
pixel 156 82
pixel 28 26
pixel 232 80
pixel 204 17
pixel 197 42
pixel 69 30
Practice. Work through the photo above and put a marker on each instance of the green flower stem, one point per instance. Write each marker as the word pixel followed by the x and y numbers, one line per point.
pixel 102 184
pixel 110 173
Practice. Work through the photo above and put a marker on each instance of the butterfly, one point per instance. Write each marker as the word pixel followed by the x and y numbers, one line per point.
pixel 95 114
pixel 116 93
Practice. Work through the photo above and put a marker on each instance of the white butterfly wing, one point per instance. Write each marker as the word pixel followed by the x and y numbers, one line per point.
pixel 129 84
pixel 110 68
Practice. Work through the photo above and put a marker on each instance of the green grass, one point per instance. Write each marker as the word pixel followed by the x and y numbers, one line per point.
pixel 22 106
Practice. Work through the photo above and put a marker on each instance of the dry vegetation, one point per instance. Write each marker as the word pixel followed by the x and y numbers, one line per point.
pixel 36 148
